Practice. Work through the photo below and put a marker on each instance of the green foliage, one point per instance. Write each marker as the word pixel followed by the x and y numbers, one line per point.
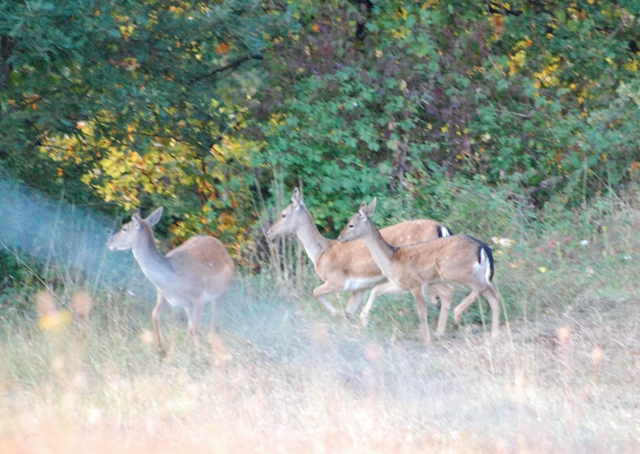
pixel 441 109
pixel 135 99
pixel 538 97
pixel 18 281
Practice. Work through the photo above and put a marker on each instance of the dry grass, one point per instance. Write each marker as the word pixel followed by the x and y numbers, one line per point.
pixel 277 378
pixel 281 376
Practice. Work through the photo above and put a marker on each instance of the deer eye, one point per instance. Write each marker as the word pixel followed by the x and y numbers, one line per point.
pixel 283 216
pixel 350 226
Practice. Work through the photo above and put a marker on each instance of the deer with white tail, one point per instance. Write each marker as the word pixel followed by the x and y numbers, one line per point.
pixel 198 271
pixel 459 259
pixel 350 267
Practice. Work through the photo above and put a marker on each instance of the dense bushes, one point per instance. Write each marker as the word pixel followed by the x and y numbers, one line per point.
pixel 437 108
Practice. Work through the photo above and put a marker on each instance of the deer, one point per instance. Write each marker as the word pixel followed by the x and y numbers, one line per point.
pixel 198 271
pixel 351 267
pixel 458 259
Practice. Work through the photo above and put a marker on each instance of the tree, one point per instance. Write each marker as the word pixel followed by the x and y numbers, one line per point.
pixel 141 100
pixel 390 96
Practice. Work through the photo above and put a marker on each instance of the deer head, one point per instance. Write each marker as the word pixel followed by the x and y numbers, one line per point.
pixel 290 218
pixel 357 225
pixel 130 232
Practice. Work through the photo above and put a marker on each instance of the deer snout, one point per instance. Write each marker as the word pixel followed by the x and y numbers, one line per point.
pixel 270 234
pixel 114 245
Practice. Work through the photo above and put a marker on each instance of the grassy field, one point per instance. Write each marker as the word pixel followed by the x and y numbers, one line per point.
pixel 282 376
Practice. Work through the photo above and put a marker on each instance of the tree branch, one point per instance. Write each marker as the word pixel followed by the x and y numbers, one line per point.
pixel 6 48
pixel 232 65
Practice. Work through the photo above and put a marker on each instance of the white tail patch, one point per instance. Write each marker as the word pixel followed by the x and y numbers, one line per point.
pixel 444 231
pixel 484 261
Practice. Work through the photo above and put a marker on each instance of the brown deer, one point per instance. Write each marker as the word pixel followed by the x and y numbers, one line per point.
pixel 350 267
pixel 459 259
pixel 196 272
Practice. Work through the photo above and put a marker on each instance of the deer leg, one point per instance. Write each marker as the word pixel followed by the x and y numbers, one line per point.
pixel 493 296
pixel 214 315
pixel 435 302
pixel 195 316
pixel 354 302
pixel 421 306
pixel 161 303
pixel 381 289
pixel 327 289
pixel 435 291
pixel 446 295
pixel 460 308
pixel 438 290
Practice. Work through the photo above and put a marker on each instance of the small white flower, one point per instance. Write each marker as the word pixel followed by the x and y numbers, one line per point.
pixel 504 242
pixel 584 242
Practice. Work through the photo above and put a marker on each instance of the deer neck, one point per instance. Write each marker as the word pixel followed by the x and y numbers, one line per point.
pixel 381 251
pixel 156 267
pixel 312 240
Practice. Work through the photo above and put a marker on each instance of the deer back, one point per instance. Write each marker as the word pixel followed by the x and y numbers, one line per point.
pixel 354 260
pixel 202 264
pixel 459 258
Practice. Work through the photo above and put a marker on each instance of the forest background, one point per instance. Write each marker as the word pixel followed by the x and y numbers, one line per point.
pixel 516 122
pixel 216 110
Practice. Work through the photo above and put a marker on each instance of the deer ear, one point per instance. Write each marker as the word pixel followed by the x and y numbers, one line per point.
pixel 154 217
pixel 371 207
pixel 296 198
pixel 363 210
pixel 135 218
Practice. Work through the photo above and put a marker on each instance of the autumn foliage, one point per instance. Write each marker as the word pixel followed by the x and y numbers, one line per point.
pixel 207 108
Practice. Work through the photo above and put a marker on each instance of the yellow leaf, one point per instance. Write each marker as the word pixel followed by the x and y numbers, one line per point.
pixel 54 321
pixel 632 65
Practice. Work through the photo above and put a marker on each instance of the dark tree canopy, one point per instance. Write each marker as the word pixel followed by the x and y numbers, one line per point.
pixel 206 107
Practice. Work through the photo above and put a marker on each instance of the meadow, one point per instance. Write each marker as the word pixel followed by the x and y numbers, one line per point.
pixel 512 121
pixel 79 369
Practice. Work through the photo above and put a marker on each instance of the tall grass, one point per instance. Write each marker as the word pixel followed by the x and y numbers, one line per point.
pixel 279 376
pixel 79 371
